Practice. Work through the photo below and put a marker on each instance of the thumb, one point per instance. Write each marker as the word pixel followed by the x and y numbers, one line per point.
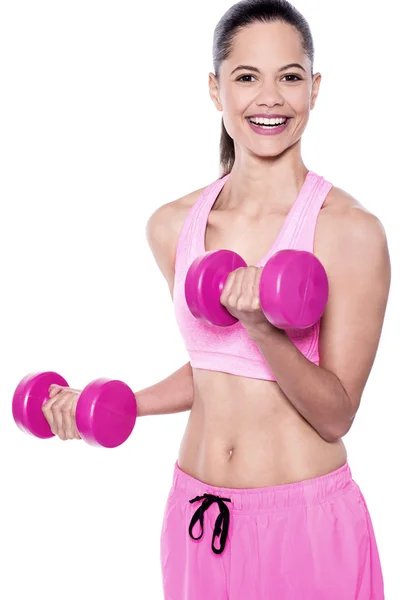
pixel 53 390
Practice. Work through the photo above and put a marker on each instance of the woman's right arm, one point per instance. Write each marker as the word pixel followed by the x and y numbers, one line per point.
pixel 174 393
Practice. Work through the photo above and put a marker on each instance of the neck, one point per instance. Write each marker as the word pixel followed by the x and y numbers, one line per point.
pixel 257 187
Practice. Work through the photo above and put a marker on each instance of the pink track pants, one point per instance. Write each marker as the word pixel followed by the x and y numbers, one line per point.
pixel 309 540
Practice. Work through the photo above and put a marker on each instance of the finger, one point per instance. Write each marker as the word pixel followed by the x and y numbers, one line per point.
pixel 258 276
pixel 67 421
pixel 54 389
pixel 56 409
pixel 238 281
pixel 245 297
pixel 75 431
pixel 248 282
pixel 48 414
pixel 228 284
pixel 256 288
pixel 232 291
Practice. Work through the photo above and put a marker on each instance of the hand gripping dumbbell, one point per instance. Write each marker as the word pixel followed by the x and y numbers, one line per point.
pixel 293 288
pixel 105 413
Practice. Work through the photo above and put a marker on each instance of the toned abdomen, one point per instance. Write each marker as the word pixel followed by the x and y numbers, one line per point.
pixel 245 433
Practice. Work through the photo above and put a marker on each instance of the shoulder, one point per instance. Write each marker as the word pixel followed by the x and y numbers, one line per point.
pixel 165 223
pixel 163 228
pixel 347 229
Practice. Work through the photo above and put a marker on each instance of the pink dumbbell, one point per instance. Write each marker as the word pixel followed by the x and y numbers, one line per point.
pixel 105 413
pixel 293 288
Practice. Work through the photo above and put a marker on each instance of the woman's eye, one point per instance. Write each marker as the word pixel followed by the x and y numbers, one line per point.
pixel 297 77
pixel 241 78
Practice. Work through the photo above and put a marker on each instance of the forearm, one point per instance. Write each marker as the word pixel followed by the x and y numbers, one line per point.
pixel 316 393
pixel 171 395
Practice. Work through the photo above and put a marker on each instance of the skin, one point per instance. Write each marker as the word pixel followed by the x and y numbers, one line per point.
pixel 244 432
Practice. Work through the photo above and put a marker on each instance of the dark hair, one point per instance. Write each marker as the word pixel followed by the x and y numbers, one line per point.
pixel 240 15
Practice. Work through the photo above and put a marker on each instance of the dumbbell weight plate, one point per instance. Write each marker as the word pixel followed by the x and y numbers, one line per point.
pixel 106 413
pixel 293 289
pixel 30 395
pixel 204 283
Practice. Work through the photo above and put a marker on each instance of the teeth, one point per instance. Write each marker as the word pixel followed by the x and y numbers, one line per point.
pixel 260 121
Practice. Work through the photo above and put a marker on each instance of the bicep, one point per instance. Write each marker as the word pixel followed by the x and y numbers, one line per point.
pixel 359 281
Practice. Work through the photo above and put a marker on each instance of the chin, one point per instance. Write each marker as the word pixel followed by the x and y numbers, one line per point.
pixel 271 153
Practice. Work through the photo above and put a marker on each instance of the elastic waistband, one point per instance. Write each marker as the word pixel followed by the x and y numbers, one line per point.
pixel 287 495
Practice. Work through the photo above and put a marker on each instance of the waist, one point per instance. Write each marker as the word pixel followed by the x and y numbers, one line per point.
pixel 309 491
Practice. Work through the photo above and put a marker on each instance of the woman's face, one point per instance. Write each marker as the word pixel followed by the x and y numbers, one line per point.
pixel 268 88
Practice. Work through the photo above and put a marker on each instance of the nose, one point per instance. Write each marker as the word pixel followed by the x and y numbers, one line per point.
pixel 269 94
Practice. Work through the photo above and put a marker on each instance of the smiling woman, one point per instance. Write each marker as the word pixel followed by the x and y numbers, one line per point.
pixel 263 452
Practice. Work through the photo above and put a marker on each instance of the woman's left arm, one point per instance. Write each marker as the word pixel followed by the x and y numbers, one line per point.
pixel 356 258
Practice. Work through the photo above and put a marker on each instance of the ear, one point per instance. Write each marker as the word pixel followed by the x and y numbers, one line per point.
pixel 214 91
pixel 315 89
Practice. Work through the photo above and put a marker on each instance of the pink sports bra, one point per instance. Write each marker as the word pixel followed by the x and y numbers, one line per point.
pixel 229 349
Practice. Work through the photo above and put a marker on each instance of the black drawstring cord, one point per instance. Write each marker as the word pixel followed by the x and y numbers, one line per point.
pixel 222 519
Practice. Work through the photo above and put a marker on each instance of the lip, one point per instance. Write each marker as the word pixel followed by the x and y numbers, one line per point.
pixel 265 116
pixel 275 131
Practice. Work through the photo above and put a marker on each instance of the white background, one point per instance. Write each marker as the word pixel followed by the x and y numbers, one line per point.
pixel 105 116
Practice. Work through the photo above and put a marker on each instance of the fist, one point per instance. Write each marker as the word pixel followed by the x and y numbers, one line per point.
pixel 241 297
pixel 59 411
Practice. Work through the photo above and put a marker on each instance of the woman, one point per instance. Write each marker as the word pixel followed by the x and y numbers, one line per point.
pixel 283 518
pixel 268 410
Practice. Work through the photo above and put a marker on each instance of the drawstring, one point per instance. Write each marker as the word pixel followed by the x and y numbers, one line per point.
pixel 222 519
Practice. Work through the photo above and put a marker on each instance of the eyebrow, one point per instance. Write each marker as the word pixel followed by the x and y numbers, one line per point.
pixel 249 68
